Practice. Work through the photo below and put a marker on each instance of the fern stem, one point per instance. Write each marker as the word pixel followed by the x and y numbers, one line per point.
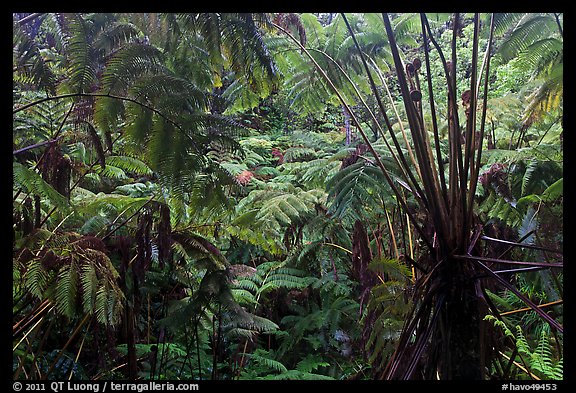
pixel 411 248
pixel 435 204
pixel 523 245
pixel 80 350
pixel 424 24
pixel 392 235
pixel 30 18
pixel 128 99
pixel 552 322
pixel 28 332
pixel 61 352
pixel 405 167
pixel 36 313
pixel 528 308
pixel 34 146
pixel 507 262
pixel 474 173
pixel 402 130
pixel 337 246
pixel 519 366
pixel 557 18
pixel 470 140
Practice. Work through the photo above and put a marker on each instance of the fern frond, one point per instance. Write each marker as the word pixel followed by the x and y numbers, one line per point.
pixel 540 52
pixel 554 191
pixel 192 243
pixel 30 63
pixel 528 32
pixel 81 67
pixel 531 167
pixel 300 375
pixel 129 164
pixel 311 363
pixel 114 36
pixel 66 289
pixel 89 284
pixel 128 64
pixel 390 269
pixel 260 358
pixel 32 182
pixel 36 278
pixel 505 21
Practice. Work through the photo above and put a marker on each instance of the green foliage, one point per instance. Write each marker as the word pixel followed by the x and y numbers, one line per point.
pixel 30 65
pixel 262 366
pixel 32 182
pixel 189 177
pixel 539 355
pixel 386 309
pixel 263 216
pixel 74 273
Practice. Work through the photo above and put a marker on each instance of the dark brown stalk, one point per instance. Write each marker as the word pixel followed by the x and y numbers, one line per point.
pixel 522 245
pixel 475 172
pixel 508 262
pixel 436 206
pixel 553 323
pixel 433 109
pixel 469 146
pixel 404 165
pixel 34 146
pixel 423 339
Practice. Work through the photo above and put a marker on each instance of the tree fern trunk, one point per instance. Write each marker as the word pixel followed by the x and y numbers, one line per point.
pixel 460 326
pixel 131 343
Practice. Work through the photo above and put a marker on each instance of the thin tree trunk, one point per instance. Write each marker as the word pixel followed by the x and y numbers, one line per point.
pixel 347 126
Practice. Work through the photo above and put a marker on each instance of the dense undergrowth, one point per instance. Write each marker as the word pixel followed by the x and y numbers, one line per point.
pixel 178 215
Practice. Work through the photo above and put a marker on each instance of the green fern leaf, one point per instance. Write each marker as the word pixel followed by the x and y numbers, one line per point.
pixel 66 289
pixel 36 278
pixel 89 281
pixel 32 182
pixel 129 164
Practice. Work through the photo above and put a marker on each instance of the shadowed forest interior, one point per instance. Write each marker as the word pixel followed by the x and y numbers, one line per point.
pixel 288 196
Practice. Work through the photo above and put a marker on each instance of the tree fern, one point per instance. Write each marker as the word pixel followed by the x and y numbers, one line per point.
pixel 269 213
pixel 532 28
pixel 29 62
pixel 81 67
pixel 127 65
pixel 353 187
pixel 77 276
